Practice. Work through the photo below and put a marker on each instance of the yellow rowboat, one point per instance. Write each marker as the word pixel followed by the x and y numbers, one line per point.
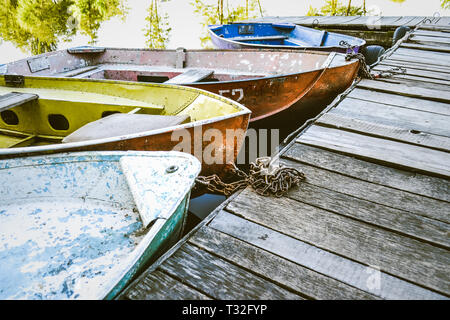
pixel 41 115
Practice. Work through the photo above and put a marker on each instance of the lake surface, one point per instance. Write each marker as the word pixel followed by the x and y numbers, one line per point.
pixel 186 25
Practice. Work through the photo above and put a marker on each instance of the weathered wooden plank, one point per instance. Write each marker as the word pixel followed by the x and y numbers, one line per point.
pixel 160 286
pixel 405 90
pixel 439 56
pixel 220 279
pixel 380 113
pixel 441 41
pixel 14 99
pixel 399 179
pixel 425 47
pixel 423 83
pixel 400 101
pixel 432 33
pixel 281 271
pixel 190 76
pixel 429 81
pixel 380 194
pixel 346 122
pixel 412 73
pixel 414 65
pixel 419 59
pixel 324 262
pixel 403 222
pixel 401 256
pixel 389 152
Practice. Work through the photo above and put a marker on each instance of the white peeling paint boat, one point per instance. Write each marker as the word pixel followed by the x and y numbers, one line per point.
pixel 81 225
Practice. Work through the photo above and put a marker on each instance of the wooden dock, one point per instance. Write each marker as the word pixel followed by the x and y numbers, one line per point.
pixel 370 222
pixel 376 30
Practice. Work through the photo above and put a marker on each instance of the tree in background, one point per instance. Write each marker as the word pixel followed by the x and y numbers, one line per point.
pixel 157 30
pixel 445 4
pixel 218 14
pixel 91 13
pixel 37 26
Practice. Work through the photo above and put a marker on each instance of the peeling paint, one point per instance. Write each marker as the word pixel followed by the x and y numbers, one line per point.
pixel 70 228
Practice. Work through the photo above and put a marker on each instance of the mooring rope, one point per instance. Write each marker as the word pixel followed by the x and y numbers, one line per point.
pixel 265 178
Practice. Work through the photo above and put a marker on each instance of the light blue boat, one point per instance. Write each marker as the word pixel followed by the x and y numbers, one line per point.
pixel 81 225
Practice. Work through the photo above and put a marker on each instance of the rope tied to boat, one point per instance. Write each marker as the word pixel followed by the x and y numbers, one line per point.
pixel 364 69
pixel 390 72
pixel 264 177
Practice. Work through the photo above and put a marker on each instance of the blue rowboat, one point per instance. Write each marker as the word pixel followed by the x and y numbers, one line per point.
pixel 81 225
pixel 280 35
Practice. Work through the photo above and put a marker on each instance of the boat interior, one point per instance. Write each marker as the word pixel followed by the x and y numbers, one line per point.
pixel 281 34
pixel 53 110
pixel 171 66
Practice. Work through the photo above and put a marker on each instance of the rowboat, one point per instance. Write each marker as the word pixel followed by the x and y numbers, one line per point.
pixel 82 225
pixel 40 115
pixel 279 86
pixel 280 35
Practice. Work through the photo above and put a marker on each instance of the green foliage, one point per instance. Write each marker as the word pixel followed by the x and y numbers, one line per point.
pixel 37 26
pixel 445 4
pixel 157 30
pixel 91 13
pixel 336 8
pixel 215 14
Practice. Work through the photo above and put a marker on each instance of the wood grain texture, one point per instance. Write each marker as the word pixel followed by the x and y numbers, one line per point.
pixel 401 256
pixel 371 172
pixel 405 90
pixel 380 194
pixel 403 222
pixel 425 47
pixel 389 152
pixel 375 129
pixel 220 279
pixel 13 99
pixel 413 72
pixel 414 65
pixel 419 84
pixel 380 113
pixel 400 101
pixel 160 286
pixel 270 266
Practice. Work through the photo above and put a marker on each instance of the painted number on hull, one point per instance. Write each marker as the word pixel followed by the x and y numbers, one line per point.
pixel 234 93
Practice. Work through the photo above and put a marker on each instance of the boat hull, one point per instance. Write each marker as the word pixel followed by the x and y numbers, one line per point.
pixel 282 100
pixel 281 36
pixel 214 140
pixel 72 227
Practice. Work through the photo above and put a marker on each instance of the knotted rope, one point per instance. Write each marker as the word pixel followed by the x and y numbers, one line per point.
pixel 265 178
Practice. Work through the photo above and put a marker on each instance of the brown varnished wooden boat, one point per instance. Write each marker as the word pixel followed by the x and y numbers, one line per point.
pixel 279 86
